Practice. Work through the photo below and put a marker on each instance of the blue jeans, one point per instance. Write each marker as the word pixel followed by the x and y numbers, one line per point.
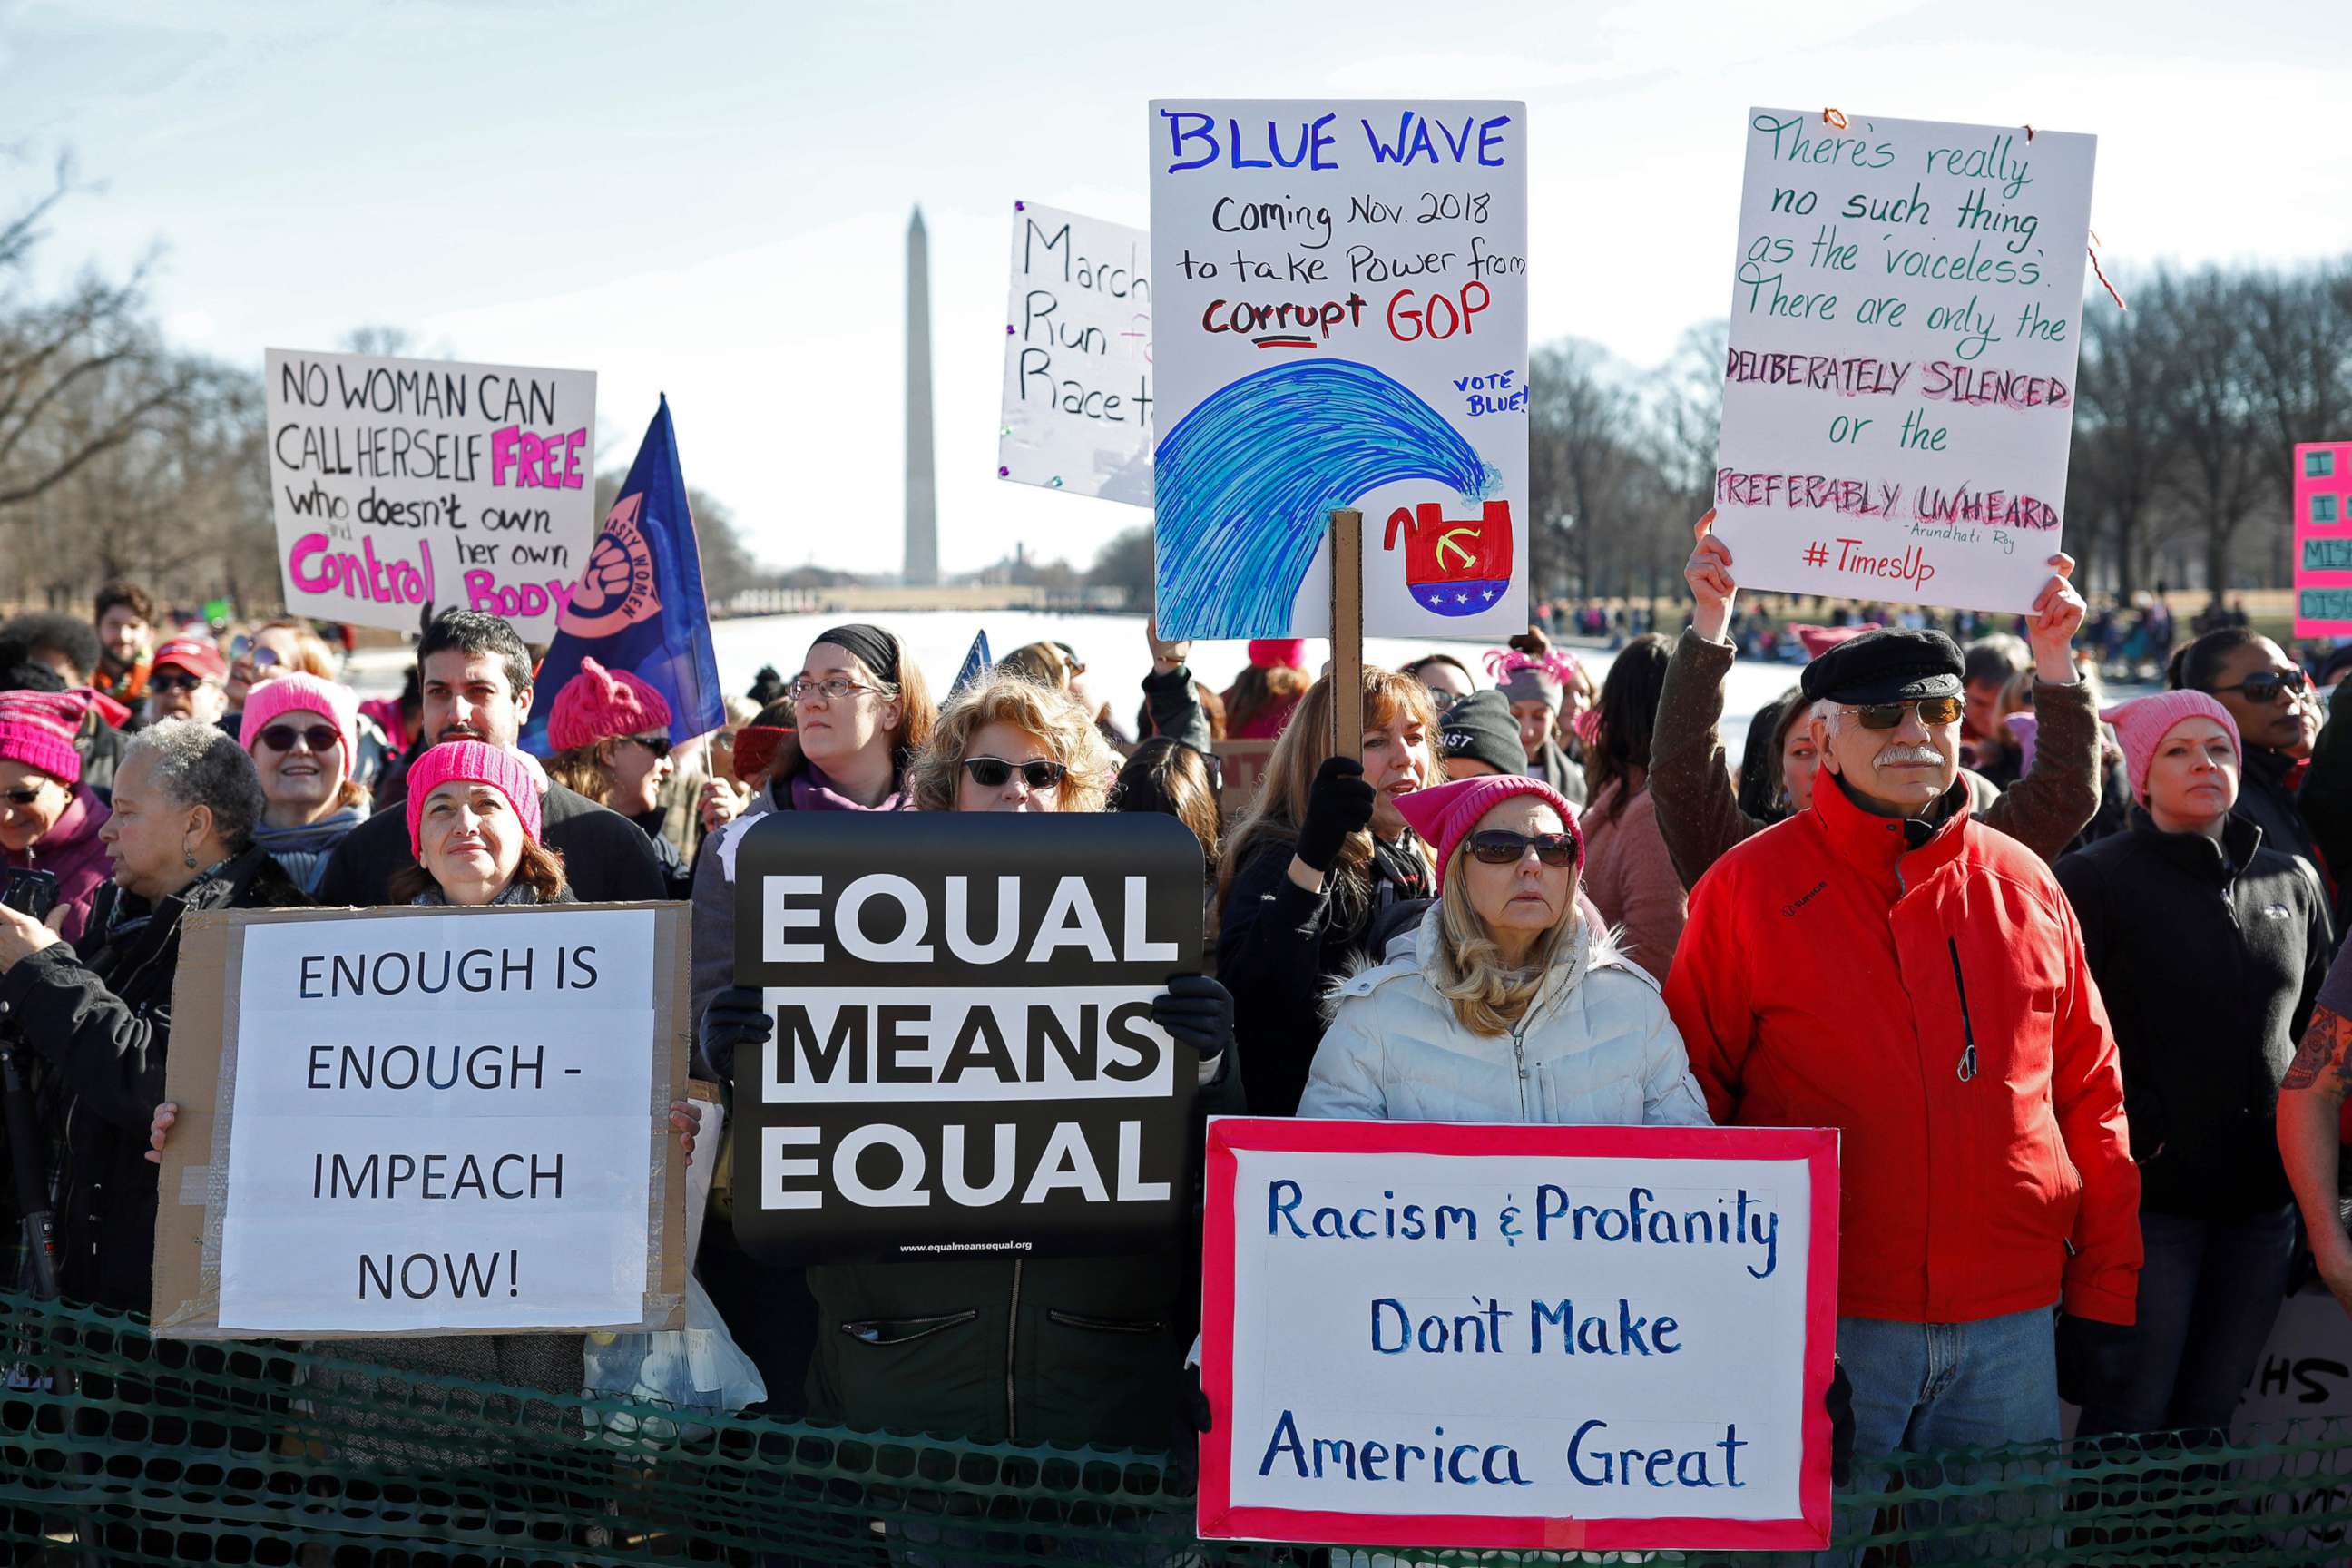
pixel 2208 1295
pixel 1922 1388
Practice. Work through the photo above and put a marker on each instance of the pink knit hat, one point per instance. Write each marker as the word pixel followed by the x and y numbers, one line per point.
pixel 1278 653
pixel 1446 814
pixel 2143 723
pixel 1819 640
pixel 472 762
pixel 598 704
pixel 37 729
pixel 302 693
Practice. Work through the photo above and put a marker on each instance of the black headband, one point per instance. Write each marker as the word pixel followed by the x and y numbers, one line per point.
pixel 877 647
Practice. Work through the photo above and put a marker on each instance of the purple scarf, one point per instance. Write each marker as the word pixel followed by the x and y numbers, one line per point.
pixel 811 791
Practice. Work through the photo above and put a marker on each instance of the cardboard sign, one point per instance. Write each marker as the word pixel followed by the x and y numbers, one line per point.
pixel 2302 1386
pixel 400 484
pixel 1342 322
pixel 1571 1339
pixel 1899 393
pixel 964 1060
pixel 424 1120
pixel 1077 357
pixel 2321 484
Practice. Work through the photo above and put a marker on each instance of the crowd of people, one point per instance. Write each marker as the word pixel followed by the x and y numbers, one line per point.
pixel 2060 974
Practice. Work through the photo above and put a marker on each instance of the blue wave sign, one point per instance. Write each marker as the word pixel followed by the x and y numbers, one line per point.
pixel 1339 320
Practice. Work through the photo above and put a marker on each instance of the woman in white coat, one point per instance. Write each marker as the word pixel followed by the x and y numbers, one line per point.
pixel 1503 1005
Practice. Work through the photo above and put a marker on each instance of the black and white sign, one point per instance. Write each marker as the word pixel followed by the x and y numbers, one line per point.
pixel 964 1059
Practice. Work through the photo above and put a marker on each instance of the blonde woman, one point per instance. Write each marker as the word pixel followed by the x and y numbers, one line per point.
pixel 1011 743
pixel 1505 1006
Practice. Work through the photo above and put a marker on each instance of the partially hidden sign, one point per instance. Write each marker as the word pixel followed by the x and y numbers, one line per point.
pixel 1077 357
pixel 964 1061
pixel 1899 395
pixel 1340 322
pixel 1567 1339
pixel 399 484
pixel 2321 487
pixel 424 1120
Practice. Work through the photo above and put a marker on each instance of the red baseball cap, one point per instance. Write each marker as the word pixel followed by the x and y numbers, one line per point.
pixel 197 656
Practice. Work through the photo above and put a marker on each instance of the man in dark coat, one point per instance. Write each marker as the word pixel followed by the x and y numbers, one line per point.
pixel 475 676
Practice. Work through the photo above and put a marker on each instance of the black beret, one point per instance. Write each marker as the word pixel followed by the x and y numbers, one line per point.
pixel 1480 726
pixel 1893 665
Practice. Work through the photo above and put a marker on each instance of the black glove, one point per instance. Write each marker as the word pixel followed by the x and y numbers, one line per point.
pixel 1197 1403
pixel 1340 802
pixel 1838 1403
pixel 1197 1012
pixel 737 1016
pixel 2094 1360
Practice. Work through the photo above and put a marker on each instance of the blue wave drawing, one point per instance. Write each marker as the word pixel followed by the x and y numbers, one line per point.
pixel 1245 483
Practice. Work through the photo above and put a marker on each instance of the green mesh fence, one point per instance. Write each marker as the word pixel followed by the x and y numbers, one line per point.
pixel 117 1448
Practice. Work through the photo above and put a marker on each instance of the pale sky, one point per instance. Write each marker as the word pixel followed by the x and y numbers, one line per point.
pixel 711 200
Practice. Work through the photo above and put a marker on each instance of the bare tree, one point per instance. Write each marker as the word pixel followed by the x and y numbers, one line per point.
pixel 50 349
pixel 2224 467
pixel 2123 419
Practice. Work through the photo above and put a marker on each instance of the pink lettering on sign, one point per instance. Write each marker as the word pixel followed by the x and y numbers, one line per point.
pixel 315 566
pixel 529 460
pixel 515 600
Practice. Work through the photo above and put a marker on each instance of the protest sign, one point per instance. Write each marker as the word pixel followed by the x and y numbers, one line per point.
pixel 964 1060
pixel 1899 395
pixel 2321 485
pixel 1559 1338
pixel 1077 357
pixel 400 484
pixel 1341 322
pixel 424 1120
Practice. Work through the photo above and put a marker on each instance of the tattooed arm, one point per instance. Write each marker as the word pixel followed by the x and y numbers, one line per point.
pixel 2310 1108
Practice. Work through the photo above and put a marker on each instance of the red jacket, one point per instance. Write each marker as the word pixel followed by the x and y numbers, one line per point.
pixel 1831 976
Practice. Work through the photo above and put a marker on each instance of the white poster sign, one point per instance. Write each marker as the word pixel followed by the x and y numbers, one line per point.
pixel 1077 357
pixel 1342 322
pixel 399 484
pixel 1899 391
pixel 1518 1337
pixel 442 1123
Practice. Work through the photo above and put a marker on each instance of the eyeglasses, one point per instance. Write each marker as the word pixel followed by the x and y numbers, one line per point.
pixel 263 657
pixel 1442 701
pixel 24 795
pixel 1038 773
pixel 658 745
pixel 1501 846
pixel 2265 685
pixel 1933 710
pixel 167 680
pixel 835 688
pixel 323 738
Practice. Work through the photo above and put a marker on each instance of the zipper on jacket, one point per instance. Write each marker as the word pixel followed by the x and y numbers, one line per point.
pixel 1011 1341
pixel 1968 1030
pixel 1519 1055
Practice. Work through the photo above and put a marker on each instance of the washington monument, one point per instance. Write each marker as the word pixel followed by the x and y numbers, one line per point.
pixel 922 570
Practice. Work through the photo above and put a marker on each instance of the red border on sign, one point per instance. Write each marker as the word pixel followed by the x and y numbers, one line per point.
pixel 1220 1520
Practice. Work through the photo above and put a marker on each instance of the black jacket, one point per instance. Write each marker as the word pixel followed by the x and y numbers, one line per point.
pixel 1279 946
pixel 103 1024
pixel 606 858
pixel 2264 800
pixel 1042 1349
pixel 2208 957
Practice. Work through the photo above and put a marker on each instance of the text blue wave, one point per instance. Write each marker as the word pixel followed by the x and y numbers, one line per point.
pixel 1245 485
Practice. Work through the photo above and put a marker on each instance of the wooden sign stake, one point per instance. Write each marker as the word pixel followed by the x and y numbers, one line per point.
pixel 1346 633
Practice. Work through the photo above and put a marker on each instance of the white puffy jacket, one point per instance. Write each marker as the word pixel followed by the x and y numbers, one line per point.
pixel 1596 1048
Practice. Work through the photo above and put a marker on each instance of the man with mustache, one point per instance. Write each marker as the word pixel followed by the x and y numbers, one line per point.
pixel 1884 964
pixel 476 677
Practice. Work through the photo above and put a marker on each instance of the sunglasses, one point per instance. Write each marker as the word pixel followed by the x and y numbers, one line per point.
pixel 1038 774
pixel 24 795
pixel 263 658
pixel 2265 685
pixel 1933 710
pixel 1501 846
pixel 1442 700
pixel 658 745
pixel 282 737
pixel 167 681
